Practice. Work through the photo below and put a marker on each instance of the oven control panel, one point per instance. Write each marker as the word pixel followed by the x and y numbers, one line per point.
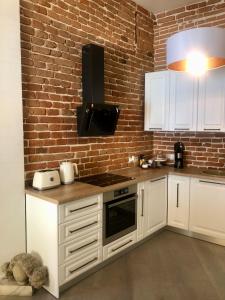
pixel 121 192
pixel 116 194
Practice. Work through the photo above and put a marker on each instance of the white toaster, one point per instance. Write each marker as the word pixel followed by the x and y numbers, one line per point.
pixel 46 179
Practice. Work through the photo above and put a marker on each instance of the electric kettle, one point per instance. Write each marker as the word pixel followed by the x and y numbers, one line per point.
pixel 67 172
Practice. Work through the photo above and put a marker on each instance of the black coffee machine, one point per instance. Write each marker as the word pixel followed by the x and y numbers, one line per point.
pixel 179 155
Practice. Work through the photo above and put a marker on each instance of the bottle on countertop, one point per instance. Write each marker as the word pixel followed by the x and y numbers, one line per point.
pixel 141 160
pixel 179 155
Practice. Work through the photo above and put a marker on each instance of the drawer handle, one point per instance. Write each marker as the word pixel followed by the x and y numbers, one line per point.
pixel 89 262
pixel 155 128
pixel 154 180
pixel 72 231
pixel 113 250
pixel 77 249
pixel 77 209
pixel 212 182
pixel 181 129
pixel 211 129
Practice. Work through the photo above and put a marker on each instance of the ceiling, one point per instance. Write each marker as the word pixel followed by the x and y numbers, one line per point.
pixel 156 6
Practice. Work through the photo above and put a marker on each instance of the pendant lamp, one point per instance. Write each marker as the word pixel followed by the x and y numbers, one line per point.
pixel 196 50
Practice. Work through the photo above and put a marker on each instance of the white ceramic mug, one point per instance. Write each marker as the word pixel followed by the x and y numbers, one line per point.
pixel 67 172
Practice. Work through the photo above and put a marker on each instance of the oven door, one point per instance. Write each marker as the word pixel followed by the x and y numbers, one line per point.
pixel 120 218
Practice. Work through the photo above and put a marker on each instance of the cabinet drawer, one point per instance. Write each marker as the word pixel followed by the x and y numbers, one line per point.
pixel 79 208
pixel 79 227
pixel 119 245
pixel 79 265
pixel 76 247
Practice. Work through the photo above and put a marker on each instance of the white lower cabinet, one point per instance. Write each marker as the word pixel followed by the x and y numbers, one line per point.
pixel 152 206
pixel 119 244
pixel 73 249
pixel 142 196
pixel 80 226
pixel 178 201
pixel 207 207
pixel 81 264
pixel 67 237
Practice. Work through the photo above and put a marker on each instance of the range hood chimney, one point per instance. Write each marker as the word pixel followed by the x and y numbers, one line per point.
pixel 93 73
pixel 94 117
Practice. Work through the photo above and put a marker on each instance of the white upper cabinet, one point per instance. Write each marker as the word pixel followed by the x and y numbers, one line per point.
pixel 177 101
pixel 183 102
pixel 156 100
pixel 212 101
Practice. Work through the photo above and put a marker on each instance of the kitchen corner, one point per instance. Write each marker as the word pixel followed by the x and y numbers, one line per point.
pixel 112 123
pixel 97 223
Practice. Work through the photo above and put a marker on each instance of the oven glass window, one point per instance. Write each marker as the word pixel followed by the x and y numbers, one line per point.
pixel 120 215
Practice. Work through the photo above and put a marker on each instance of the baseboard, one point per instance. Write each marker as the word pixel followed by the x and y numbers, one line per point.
pixel 195 235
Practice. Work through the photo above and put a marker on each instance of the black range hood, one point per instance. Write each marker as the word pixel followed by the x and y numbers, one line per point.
pixel 94 117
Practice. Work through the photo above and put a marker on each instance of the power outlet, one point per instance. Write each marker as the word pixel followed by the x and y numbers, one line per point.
pixel 131 159
pixel 170 156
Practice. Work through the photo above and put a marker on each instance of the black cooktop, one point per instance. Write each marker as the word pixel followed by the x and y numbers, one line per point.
pixel 104 179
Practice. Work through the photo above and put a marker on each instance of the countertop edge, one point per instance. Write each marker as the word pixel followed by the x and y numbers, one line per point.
pixel 140 176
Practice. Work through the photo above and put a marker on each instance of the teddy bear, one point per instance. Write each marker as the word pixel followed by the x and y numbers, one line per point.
pixel 25 268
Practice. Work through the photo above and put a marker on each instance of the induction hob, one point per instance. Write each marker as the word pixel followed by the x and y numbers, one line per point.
pixel 104 179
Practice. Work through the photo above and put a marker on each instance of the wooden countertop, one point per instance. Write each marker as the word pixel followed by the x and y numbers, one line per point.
pixel 78 190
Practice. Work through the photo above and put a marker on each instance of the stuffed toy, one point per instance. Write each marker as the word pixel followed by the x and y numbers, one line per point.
pixel 26 268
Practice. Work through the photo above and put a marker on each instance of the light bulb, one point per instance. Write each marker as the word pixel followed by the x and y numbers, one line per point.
pixel 196 63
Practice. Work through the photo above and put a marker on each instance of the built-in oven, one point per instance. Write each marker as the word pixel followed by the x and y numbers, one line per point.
pixel 119 213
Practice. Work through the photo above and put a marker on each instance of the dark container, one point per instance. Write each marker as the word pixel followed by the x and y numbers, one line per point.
pixel 179 155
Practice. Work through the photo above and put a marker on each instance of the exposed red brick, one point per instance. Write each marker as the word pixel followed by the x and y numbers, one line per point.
pixel 52 36
pixel 52 39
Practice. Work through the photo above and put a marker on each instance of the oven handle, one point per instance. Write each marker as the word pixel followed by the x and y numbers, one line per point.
pixel 122 201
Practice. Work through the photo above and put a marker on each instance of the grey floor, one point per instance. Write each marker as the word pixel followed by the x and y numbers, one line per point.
pixel 167 267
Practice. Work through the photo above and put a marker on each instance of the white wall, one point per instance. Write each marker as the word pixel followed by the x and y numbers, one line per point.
pixel 12 206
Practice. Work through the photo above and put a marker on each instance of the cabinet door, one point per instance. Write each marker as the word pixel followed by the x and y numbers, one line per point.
pixel 156 100
pixel 142 196
pixel 155 210
pixel 183 102
pixel 178 201
pixel 211 116
pixel 207 207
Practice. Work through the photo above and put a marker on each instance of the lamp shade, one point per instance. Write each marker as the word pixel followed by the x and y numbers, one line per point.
pixel 209 41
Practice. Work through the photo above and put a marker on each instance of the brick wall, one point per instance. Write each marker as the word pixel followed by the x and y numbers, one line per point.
pixel 53 33
pixel 203 149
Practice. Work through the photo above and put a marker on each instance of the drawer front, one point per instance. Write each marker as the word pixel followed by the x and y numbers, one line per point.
pixel 77 247
pixel 79 265
pixel 80 227
pixel 79 208
pixel 119 245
